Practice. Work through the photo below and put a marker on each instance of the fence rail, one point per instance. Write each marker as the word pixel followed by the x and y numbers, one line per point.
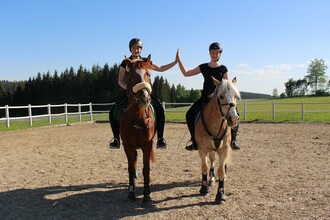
pixel 275 109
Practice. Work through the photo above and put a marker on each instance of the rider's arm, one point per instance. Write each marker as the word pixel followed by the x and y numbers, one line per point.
pixel 164 67
pixel 183 70
pixel 121 77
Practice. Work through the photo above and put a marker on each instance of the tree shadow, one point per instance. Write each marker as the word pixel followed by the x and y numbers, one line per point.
pixel 99 201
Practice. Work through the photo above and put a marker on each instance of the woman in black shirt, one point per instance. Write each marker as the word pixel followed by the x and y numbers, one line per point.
pixel 135 47
pixel 208 70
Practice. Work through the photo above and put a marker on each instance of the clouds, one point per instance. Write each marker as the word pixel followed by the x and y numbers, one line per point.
pixel 265 79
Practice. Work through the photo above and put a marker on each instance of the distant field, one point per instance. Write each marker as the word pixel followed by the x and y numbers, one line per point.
pixel 315 109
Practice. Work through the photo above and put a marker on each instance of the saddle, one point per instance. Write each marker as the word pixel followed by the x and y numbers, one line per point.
pixel 200 110
pixel 120 106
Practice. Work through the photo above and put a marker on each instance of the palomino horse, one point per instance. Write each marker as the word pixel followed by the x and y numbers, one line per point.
pixel 213 133
pixel 137 123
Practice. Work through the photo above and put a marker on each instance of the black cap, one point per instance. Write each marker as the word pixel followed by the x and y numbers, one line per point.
pixel 135 42
pixel 215 46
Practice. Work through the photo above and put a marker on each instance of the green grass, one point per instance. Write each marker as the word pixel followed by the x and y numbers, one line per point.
pixel 289 110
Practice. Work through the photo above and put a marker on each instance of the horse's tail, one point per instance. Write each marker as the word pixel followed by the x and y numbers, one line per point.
pixel 153 155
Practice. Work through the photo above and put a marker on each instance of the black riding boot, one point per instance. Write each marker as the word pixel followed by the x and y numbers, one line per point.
pixel 115 141
pixel 193 145
pixel 234 143
pixel 160 122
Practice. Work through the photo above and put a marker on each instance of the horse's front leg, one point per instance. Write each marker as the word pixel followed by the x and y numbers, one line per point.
pixel 205 187
pixel 131 155
pixel 146 173
pixel 221 197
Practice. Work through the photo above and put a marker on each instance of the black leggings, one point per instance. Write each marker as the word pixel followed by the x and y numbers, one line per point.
pixel 160 114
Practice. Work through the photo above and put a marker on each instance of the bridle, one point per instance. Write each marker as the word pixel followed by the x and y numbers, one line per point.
pixel 218 138
pixel 133 92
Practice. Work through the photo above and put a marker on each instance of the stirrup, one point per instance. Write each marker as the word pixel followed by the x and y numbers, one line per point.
pixel 161 143
pixel 235 145
pixel 114 143
pixel 192 146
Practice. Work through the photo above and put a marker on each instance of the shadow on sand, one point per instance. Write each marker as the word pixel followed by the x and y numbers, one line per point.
pixel 100 201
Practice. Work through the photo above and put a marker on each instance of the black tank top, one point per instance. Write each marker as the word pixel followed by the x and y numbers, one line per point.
pixel 207 71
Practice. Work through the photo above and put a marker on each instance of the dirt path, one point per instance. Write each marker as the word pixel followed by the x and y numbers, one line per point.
pixel 67 172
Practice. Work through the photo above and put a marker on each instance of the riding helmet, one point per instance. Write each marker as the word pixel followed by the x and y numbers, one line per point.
pixel 215 46
pixel 135 42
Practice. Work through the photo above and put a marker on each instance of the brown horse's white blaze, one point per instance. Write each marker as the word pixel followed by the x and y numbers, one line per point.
pixel 137 123
pixel 213 133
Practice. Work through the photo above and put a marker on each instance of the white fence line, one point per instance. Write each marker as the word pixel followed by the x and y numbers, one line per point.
pixel 49 114
pixel 167 106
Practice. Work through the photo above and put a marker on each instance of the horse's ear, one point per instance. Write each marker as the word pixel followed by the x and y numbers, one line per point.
pixel 148 58
pixel 215 81
pixel 234 80
pixel 128 64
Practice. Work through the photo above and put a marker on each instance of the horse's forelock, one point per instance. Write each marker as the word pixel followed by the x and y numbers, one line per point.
pixel 226 84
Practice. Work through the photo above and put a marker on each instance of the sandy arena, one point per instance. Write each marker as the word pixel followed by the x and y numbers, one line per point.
pixel 68 172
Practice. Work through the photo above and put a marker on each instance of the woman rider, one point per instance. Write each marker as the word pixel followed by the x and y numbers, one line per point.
pixel 135 47
pixel 218 71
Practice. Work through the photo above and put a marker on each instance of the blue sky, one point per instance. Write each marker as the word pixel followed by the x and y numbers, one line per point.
pixel 265 42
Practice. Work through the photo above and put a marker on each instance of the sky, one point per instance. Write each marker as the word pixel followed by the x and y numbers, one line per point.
pixel 265 43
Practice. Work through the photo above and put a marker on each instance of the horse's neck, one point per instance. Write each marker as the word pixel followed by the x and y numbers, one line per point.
pixel 137 113
pixel 212 114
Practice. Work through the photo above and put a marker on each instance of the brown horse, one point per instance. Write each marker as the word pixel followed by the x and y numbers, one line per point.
pixel 137 123
pixel 213 133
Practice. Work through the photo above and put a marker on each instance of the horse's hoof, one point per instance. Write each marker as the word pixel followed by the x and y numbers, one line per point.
pixel 221 197
pixel 204 190
pixel 146 199
pixel 131 196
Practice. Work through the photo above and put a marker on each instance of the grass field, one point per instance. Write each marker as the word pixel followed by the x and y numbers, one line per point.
pixel 302 109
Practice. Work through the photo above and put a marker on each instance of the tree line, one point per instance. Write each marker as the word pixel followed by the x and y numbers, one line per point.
pixel 98 85
pixel 316 80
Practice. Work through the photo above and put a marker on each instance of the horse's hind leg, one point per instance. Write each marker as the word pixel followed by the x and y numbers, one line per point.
pixel 212 173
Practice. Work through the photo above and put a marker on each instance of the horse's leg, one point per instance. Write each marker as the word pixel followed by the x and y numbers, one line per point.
pixel 131 155
pixel 212 174
pixel 205 187
pixel 221 197
pixel 146 173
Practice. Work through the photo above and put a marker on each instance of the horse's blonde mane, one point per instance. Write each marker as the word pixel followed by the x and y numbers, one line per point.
pixel 226 84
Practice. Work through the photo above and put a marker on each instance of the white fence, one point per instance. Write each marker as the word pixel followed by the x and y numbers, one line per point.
pixel 30 116
pixel 269 108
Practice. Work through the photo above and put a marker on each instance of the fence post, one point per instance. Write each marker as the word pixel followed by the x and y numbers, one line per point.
pixel 30 114
pixel 79 112
pixel 91 111
pixel 7 116
pixel 49 114
pixel 163 104
pixel 66 112
pixel 302 111
pixel 273 111
pixel 244 111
